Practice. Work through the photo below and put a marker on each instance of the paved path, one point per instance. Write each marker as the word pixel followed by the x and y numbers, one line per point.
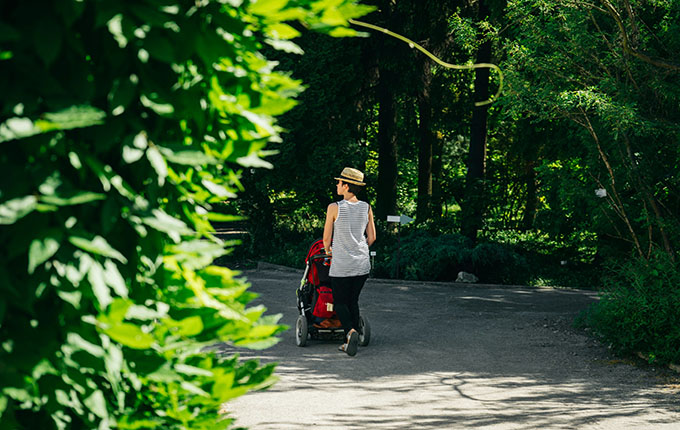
pixel 452 356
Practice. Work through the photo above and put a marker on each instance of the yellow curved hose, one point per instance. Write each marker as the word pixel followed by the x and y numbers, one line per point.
pixel 413 44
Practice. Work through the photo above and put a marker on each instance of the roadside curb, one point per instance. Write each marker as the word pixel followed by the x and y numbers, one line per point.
pixel 262 265
pixel 672 366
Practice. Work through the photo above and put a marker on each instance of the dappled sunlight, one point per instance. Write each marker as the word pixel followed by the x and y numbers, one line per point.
pixel 446 356
pixel 436 400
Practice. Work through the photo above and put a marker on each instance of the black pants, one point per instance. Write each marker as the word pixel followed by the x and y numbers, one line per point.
pixel 346 292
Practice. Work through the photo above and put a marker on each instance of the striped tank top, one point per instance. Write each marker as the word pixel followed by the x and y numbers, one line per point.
pixel 350 249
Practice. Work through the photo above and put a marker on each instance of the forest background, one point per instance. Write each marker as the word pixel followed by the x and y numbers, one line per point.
pixel 569 178
pixel 129 128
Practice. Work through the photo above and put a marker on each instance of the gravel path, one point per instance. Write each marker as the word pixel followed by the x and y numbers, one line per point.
pixel 454 356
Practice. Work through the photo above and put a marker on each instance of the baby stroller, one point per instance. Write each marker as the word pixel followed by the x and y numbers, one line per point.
pixel 315 302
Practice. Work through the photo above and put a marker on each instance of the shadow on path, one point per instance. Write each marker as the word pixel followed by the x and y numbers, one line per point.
pixel 453 356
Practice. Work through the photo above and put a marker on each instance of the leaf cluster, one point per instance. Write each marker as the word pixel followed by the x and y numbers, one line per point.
pixel 124 125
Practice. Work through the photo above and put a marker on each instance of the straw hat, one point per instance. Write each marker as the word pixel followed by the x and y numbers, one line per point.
pixel 352 176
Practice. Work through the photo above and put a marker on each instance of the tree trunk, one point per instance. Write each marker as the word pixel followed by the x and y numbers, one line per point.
pixel 424 202
pixel 474 208
pixel 387 147
pixel 436 209
pixel 530 205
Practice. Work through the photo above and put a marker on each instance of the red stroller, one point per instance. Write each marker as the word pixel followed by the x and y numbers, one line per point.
pixel 315 302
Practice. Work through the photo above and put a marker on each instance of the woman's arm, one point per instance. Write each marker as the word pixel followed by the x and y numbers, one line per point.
pixel 331 215
pixel 370 228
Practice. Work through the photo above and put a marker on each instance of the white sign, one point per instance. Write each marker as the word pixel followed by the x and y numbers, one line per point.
pixel 405 219
pixel 401 219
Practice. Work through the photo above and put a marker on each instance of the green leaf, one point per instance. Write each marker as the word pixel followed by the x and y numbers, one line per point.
pixel 42 250
pixel 253 160
pixel 163 222
pixel 129 423
pixel 162 109
pixel 115 26
pixel 160 47
pixel 188 157
pixel 345 32
pixel 76 341
pixel 264 330
pixel 158 163
pixel 285 46
pixel 143 313
pixel 192 370
pixel 214 216
pixel 282 31
pixel 99 246
pixel 73 117
pixel 258 343
pixel 115 279
pixel 95 276
pixel 190 326
pixel 96 403
pixel 13 210
pixel 76 198
pixel 117 311
pixel 130 335
pixel 217 190
pixel 121 94
pixel 193 389
pixel 3 404
pixel 17 128
pixel 267 7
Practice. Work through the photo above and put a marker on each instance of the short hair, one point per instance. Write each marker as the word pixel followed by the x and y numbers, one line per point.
pixel 353 188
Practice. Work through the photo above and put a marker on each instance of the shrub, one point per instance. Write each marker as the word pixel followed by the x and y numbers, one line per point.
pixel 122 124
pixel 639 309
pixel 426 256
pixel 498 264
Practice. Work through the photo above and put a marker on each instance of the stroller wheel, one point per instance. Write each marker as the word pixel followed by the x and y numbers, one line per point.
pixel 364 331
pixel 301 331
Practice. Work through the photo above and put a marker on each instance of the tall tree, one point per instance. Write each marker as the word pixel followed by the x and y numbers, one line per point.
pixel 386 99
pixel 608 75
pixel 474 206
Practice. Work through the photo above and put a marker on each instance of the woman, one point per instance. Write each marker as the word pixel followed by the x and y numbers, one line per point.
pixel 347 234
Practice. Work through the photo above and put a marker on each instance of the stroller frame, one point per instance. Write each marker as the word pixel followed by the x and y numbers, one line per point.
pixel 306 295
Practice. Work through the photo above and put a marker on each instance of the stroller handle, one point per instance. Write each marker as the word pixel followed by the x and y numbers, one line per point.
pixel 320 256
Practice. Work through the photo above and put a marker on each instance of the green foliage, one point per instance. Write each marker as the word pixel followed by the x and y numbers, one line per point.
pixel 609 113
pixel 425 256
pixel 123 125
pixel 639 311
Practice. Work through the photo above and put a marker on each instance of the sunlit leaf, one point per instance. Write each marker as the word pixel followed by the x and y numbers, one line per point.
pixel 129 335
pixel 99 246
pixel 158 163
pixel 76 198
pixel 100 288
pixel 13 210
pixel 42 250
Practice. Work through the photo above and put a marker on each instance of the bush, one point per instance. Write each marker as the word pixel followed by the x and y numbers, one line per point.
pixel 498 264
pixel 426 256
pixel 123 124
pixel 544 257
pixel 639 310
